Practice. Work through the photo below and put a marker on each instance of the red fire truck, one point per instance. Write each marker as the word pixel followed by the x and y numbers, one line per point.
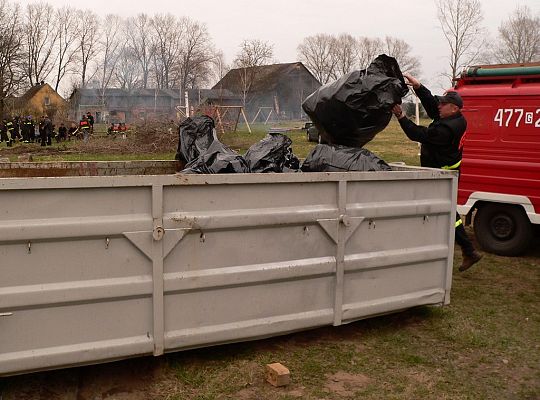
pixel 499 185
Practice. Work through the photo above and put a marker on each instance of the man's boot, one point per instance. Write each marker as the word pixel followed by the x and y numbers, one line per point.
pixel 469 260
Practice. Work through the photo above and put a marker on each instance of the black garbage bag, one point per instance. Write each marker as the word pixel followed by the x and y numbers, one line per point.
pixel 337 158
pixel 195 135
pixel 218 159
pixel 353 109
pixel 271 154
pixel 292 163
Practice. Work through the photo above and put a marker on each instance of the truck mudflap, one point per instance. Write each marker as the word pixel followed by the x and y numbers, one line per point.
pixel 108 267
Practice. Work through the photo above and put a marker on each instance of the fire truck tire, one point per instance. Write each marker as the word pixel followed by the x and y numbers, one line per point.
pixel 503 229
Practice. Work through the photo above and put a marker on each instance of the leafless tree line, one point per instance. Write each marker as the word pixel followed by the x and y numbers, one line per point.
pixel 518 39
pixel 43 43
pixel 328 57
pixel 68 47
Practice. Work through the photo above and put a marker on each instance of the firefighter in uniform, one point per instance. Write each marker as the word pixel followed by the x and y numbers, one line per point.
pixel 440 146
pixel 62 133
pixel 90 119
pixel 28 129
pixel 17 128
pixel 45 131
pixel 84 127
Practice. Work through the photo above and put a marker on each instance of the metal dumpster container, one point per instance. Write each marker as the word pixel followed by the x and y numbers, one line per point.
pixel 100 268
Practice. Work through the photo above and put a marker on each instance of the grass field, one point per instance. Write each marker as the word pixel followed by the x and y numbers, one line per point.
pixel 391 145
pixel 484 345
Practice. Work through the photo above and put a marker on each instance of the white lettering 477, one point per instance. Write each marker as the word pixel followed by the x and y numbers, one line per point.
pixel 517 117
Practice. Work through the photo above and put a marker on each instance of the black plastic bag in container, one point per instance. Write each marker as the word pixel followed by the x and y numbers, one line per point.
pixel 218 159
pixel 337 158
pixel 270 154
pixel 292 163
pixel 353 109
pixel 195 135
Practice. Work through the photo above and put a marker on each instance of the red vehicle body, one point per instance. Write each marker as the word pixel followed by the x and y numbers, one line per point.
pixel 500 170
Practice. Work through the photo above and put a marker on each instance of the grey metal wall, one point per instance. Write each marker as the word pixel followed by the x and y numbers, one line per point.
pixel 102 268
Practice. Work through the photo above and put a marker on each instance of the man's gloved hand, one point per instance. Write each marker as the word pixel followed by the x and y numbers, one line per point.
pixel 412 80
pixel 398 111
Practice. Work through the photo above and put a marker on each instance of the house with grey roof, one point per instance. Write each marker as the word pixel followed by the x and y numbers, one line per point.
pixel 137 105
pixel 279 87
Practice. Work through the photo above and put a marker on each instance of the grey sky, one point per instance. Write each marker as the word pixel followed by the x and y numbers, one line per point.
pixel 284 23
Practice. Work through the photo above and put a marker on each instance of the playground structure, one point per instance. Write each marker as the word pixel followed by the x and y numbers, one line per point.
pixel 226 117
pixel 261 110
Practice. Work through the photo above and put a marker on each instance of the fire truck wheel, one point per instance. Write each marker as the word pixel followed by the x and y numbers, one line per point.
pixel 503 229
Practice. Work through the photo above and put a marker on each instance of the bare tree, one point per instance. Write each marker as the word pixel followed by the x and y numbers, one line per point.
pixel 345 54
pixel 316 54
pixel 519 38
pixel 253 53
pixel 401 51
pixel 11 56
pixel 88 42
pixel 66 46
pixel 111 44
pixel 139 34
pixel 41 34
pixel 368 49
pixel 196 54
pixel 461 25
pixel 219 66
pixel 127 73
pixel 167 35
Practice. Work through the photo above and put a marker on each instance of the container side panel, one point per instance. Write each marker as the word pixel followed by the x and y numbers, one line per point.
pixel 398 255
pixel 69 324
pixel 380 234
pixel 44 262
pixel 73 288
pixel 370 290
pixel 209 249
pixel 244 302
pixel 390 190
pixel 76 203
pixel 254 261
pixel 238 197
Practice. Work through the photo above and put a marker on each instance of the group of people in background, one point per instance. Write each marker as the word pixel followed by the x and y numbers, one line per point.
pixel 28 130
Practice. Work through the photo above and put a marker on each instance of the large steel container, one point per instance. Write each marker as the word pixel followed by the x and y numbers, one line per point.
pixel 98 268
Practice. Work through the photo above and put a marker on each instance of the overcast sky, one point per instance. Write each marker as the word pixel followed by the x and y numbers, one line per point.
pixel 284 23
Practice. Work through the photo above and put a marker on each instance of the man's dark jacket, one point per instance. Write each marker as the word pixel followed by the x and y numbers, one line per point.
pixel 440 140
